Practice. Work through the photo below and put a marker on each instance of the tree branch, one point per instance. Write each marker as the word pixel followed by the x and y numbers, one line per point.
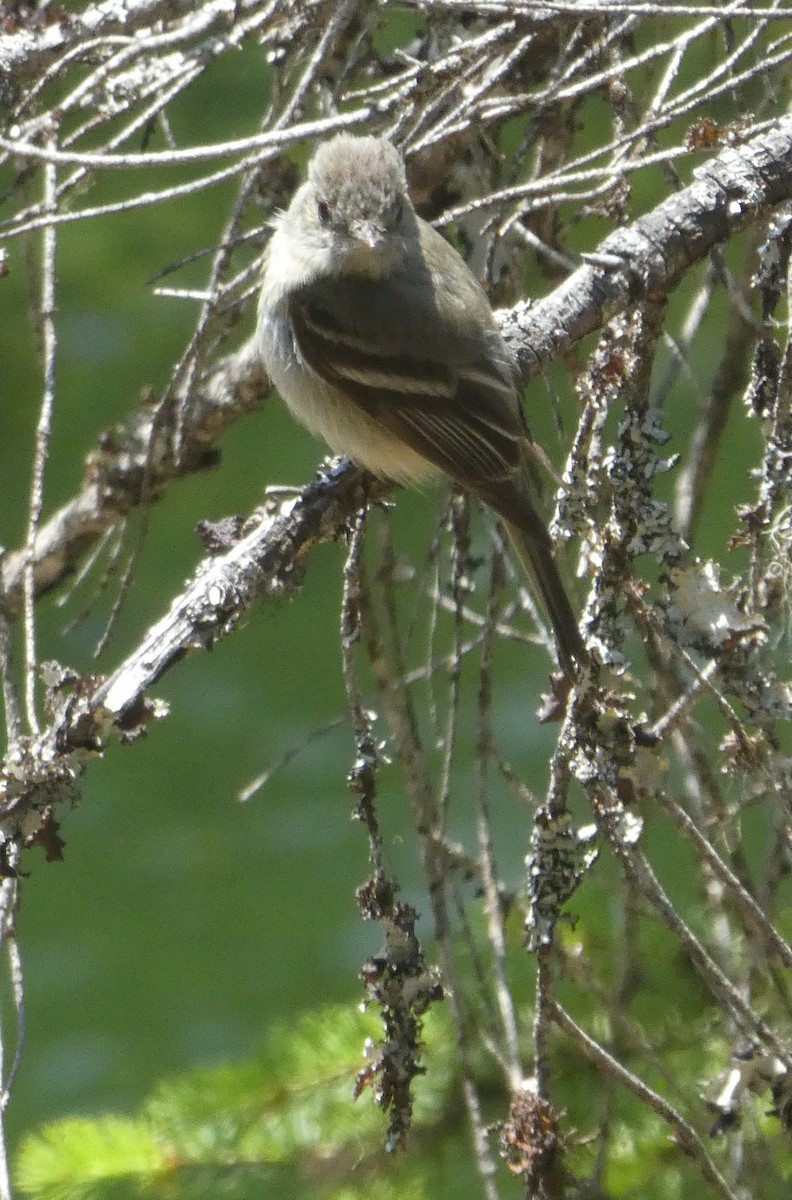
pixel 650 257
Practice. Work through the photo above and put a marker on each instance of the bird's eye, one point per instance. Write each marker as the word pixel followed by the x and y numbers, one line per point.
pixel 323 212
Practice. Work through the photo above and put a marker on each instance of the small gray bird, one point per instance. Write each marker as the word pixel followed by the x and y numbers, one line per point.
pixel 382 342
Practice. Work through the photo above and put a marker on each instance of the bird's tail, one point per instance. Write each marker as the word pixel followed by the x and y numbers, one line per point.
pixel 535 552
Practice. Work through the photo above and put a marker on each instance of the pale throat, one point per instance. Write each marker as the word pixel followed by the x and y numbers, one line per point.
pixel 364 263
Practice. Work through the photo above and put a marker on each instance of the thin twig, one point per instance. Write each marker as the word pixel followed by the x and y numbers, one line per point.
pixel 43 436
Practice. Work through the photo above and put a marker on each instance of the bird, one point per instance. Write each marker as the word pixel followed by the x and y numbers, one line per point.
pixel 382 342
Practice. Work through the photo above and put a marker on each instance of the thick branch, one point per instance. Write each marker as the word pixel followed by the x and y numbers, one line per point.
pixel 266 560
pixel 652 255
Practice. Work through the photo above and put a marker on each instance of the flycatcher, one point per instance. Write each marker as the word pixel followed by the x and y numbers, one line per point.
pixel 381 341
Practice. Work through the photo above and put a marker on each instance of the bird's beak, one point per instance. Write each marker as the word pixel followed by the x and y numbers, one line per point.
pixel 367 234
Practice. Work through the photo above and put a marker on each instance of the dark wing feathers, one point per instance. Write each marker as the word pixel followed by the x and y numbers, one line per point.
pixel 455 404
pixel 340 357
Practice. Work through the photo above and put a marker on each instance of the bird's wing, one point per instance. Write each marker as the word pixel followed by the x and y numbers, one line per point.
pixel 447 391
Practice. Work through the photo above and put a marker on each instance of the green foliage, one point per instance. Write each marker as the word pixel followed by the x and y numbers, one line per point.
pixel 284 1124
pixel 270 1122
pixel 80 1158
